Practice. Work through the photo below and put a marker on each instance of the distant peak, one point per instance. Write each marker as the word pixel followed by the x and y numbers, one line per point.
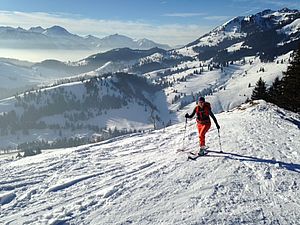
pixel 287 10
pixel 267 11
pixel 20 29
pixel 117 35
pixel 37 29
pixel 283 10
pixel 56 30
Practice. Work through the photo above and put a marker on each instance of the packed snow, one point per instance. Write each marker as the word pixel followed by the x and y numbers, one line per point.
pixel 142 179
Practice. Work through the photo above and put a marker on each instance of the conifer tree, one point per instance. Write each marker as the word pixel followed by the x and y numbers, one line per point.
pixel 291 84
pixel 260 90
pixel 275 92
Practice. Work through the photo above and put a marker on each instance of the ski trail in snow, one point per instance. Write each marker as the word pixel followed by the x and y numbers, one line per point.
pixel 141 179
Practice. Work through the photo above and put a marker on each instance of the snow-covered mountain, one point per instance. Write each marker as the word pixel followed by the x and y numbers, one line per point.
pixel 56 31
pixel 115 60
pixel 92 100
pixel 267 33
pixel 141 179
pixel 18 76
pixel 108 105
pixel 57 37
pixel 121 41
pixel 127 102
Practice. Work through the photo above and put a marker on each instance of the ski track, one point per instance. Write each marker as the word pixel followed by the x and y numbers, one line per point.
pixel 141 179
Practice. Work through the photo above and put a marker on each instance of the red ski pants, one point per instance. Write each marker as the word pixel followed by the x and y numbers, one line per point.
pixel 202 129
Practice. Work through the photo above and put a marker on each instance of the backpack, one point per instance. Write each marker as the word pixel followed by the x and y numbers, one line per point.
pixel 203 113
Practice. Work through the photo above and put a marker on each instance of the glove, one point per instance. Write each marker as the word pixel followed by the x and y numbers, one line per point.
pixel 187 115
pixel 218 126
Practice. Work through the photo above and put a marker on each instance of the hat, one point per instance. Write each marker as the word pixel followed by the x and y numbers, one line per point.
pixel 201 99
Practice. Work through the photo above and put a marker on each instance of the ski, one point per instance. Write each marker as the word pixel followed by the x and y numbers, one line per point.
pixel 194 156
pixel 215 151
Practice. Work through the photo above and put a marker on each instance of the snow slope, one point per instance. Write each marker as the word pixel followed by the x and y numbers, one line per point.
pixel 230 86
pixel 140 179
pixel 14 76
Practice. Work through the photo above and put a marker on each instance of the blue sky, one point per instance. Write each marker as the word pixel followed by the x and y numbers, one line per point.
pixel 166 21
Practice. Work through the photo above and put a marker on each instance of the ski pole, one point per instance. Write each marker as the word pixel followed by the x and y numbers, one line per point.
pixel 184 134
pixel 220 141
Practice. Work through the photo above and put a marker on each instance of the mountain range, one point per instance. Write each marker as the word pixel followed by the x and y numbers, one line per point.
pixel 124 90
pixel 57 37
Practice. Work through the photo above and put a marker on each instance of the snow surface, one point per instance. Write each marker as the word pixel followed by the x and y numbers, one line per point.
pixel 291 28
pixel 236 47
pixel 14 76
pixel 141 179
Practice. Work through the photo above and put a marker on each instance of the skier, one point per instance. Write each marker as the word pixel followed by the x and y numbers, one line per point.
pixel 203 111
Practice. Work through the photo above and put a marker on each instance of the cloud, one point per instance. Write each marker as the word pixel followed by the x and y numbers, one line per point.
pixel 184 15
pixel 216 18
pixel 202 15
pixel 172 34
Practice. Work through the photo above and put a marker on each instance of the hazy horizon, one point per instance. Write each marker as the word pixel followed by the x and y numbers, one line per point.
pixel 38 55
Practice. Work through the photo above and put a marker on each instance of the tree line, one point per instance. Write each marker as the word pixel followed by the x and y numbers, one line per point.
pixel 283 92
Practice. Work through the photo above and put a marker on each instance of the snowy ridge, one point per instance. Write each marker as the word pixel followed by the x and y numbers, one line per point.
pixel 140 179
pixel 57 37
pixel 280 28
pixel 229 30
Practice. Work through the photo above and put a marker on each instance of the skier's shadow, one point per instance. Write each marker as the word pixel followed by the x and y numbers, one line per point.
pixel 289 166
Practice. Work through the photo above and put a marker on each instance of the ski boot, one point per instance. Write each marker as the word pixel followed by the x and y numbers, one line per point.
pixel 202 151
